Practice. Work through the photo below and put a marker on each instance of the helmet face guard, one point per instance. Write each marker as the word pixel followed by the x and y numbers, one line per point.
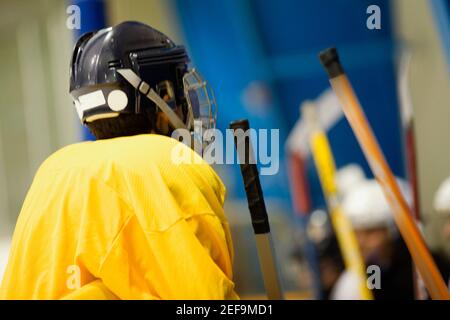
pixel 201 101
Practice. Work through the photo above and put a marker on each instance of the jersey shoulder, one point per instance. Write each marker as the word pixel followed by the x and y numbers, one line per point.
pixel 141 155
pixel 129 151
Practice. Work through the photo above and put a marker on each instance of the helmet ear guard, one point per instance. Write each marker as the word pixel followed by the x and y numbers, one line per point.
pixel 199 100
pixel 145 89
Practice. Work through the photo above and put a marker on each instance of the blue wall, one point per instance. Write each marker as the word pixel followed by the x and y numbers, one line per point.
pixel 237 42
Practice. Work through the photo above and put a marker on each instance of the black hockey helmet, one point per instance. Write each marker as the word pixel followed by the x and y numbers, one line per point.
pixel 131 66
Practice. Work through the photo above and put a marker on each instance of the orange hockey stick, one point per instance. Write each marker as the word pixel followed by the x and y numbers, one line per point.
pixel 366 138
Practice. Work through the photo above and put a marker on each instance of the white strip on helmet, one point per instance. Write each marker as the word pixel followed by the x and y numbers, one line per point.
pixel 130 76
pixel 145 89
pixel 173 118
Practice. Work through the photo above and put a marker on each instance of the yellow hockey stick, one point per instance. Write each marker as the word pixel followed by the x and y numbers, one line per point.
pixel 323 159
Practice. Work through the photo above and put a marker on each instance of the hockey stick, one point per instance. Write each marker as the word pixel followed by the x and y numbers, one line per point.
pixel 324 161
pixel 366 138
pixel 257 207
pixel 301 202
pixel 407 117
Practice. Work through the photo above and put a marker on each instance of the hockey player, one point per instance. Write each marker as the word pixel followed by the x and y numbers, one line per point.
pixel 118 218
pixel 380 244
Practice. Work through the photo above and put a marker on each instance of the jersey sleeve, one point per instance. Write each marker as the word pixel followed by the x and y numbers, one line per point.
pixel 176 263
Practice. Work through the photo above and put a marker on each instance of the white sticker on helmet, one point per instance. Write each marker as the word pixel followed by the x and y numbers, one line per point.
pixel 117 100
pixel 90 100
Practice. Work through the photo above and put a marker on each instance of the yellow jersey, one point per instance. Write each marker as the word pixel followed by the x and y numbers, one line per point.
pixel 119 219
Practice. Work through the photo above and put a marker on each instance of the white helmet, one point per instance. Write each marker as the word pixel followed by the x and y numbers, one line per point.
pixel 441 201
pixel 348 177
pixel 366 205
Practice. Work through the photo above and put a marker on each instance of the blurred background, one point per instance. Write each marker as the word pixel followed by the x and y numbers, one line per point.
pixel 260 57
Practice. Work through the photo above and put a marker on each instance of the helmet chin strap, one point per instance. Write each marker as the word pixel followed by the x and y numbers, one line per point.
pixel 147 91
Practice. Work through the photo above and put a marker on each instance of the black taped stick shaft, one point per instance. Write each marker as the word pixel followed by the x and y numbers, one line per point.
pixel 255 198
pixel 257 208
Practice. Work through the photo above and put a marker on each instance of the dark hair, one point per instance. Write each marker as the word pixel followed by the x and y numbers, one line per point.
pixel 124 125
